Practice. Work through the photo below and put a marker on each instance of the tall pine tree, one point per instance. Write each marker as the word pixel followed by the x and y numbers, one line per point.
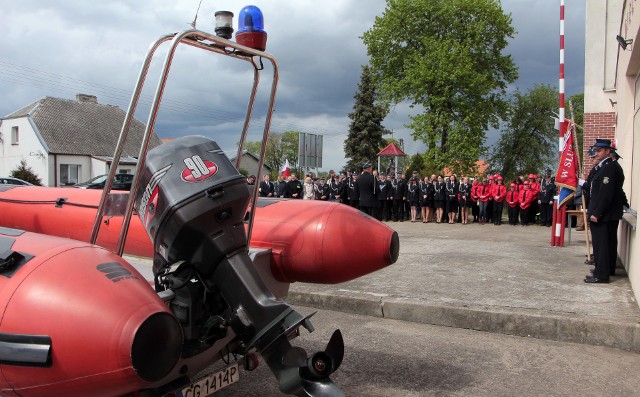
pixel 365 130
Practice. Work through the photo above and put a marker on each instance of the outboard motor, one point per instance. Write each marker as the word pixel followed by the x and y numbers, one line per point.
pixel 192 202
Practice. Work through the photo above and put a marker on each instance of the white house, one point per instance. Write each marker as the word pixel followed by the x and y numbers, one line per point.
pixel 68 141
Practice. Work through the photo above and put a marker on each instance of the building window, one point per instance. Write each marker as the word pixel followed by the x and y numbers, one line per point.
pixel 69 174
pixel 15 135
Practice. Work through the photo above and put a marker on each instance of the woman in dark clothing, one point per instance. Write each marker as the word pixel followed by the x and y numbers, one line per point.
pixel 413 196
pixel 439 198
pixel 280 186
pixel 426 199
pixel 464 195
pixel 451 188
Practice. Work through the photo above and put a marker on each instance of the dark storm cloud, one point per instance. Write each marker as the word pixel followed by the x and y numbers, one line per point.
pixel 68 46
pixel 536 46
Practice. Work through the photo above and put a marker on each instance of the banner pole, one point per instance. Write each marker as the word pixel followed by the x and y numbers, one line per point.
pixel 555 217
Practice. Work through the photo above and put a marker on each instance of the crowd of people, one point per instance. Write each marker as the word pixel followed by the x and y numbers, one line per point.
pixel 436 198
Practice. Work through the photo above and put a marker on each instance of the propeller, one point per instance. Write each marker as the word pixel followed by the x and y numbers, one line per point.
pixel 314 370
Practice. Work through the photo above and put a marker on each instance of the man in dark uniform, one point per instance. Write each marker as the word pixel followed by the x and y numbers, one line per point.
pixel 545 200
pixel 367 188
pixel 352 190
pixel 322 190
pixel 383 193
pixel 294 187
pixel 605 211
pixel 399 198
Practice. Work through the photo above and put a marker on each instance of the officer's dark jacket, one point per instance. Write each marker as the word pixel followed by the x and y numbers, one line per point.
pixel 606 194
pixel 367 188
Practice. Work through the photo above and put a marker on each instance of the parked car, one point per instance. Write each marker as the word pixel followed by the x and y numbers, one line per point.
pixel 13 181
pixel 121 182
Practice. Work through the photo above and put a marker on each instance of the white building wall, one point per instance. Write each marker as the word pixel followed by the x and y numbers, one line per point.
pixel 98 167
pixel 601 27
pixel 627 128
pixel 28 148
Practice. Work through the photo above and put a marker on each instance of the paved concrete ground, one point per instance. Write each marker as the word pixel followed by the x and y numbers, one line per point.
pixel 390 358
pixel 505 279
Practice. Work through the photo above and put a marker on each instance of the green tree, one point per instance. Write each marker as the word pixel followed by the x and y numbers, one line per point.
pixel 424 168
pixel 24 172
pixel 280 147
pixel 365 130
pixel 445 56
pixel 528 142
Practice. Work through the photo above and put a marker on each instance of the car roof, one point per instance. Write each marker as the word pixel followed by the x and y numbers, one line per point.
pixel 9 180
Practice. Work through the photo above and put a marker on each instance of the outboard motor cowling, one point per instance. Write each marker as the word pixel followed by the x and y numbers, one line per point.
pixel 192 202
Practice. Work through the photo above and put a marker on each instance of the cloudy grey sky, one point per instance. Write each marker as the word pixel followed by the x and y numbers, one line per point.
pixel 63 47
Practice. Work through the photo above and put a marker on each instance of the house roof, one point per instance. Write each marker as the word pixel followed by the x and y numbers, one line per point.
pixel 82 127
pixel 482 165
pixel 245 152
pixel 391 150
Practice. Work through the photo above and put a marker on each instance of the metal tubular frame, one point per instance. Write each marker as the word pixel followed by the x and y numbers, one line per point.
pixel 194 38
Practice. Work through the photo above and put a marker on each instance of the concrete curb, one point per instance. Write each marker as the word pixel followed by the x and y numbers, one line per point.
pixel 519 323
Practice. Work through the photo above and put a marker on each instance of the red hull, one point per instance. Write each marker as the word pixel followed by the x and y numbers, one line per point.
pixel 52 294
pixel 311 241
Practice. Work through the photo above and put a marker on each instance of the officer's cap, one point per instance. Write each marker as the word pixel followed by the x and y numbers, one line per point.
pixel 602 143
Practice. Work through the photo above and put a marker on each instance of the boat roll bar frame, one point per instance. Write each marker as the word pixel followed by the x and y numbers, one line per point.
pixel 208 42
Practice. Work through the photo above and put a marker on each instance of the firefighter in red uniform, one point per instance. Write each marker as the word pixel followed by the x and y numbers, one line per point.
pixel 498 193
pixel 474 198
pixel 535 190
pixel 526 198
pixel 513 202
pixel 489 210
pixel 484 196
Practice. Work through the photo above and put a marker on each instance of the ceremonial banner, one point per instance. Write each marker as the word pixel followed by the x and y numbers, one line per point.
pixel 567 174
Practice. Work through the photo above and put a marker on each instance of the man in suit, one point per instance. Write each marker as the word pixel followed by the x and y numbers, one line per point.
pixel 605 211
pixel 266 188
pixel 367 188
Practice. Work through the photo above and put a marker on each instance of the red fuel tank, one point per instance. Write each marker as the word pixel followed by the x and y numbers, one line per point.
pixel 49 288
pixel 311 241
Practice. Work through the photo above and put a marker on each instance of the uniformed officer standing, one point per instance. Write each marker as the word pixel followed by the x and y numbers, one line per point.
pixel 605 211
pixel 322 190
pixel 353 190
pixel 367 188
pixel 294 188
pixel 545 200
pixel 399 198
pixel 383 193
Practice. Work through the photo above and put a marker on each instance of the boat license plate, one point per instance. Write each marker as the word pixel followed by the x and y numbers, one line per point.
pixel 213 382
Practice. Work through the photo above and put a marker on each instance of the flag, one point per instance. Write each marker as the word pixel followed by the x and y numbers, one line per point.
pixel 567 174
pixel 286 169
